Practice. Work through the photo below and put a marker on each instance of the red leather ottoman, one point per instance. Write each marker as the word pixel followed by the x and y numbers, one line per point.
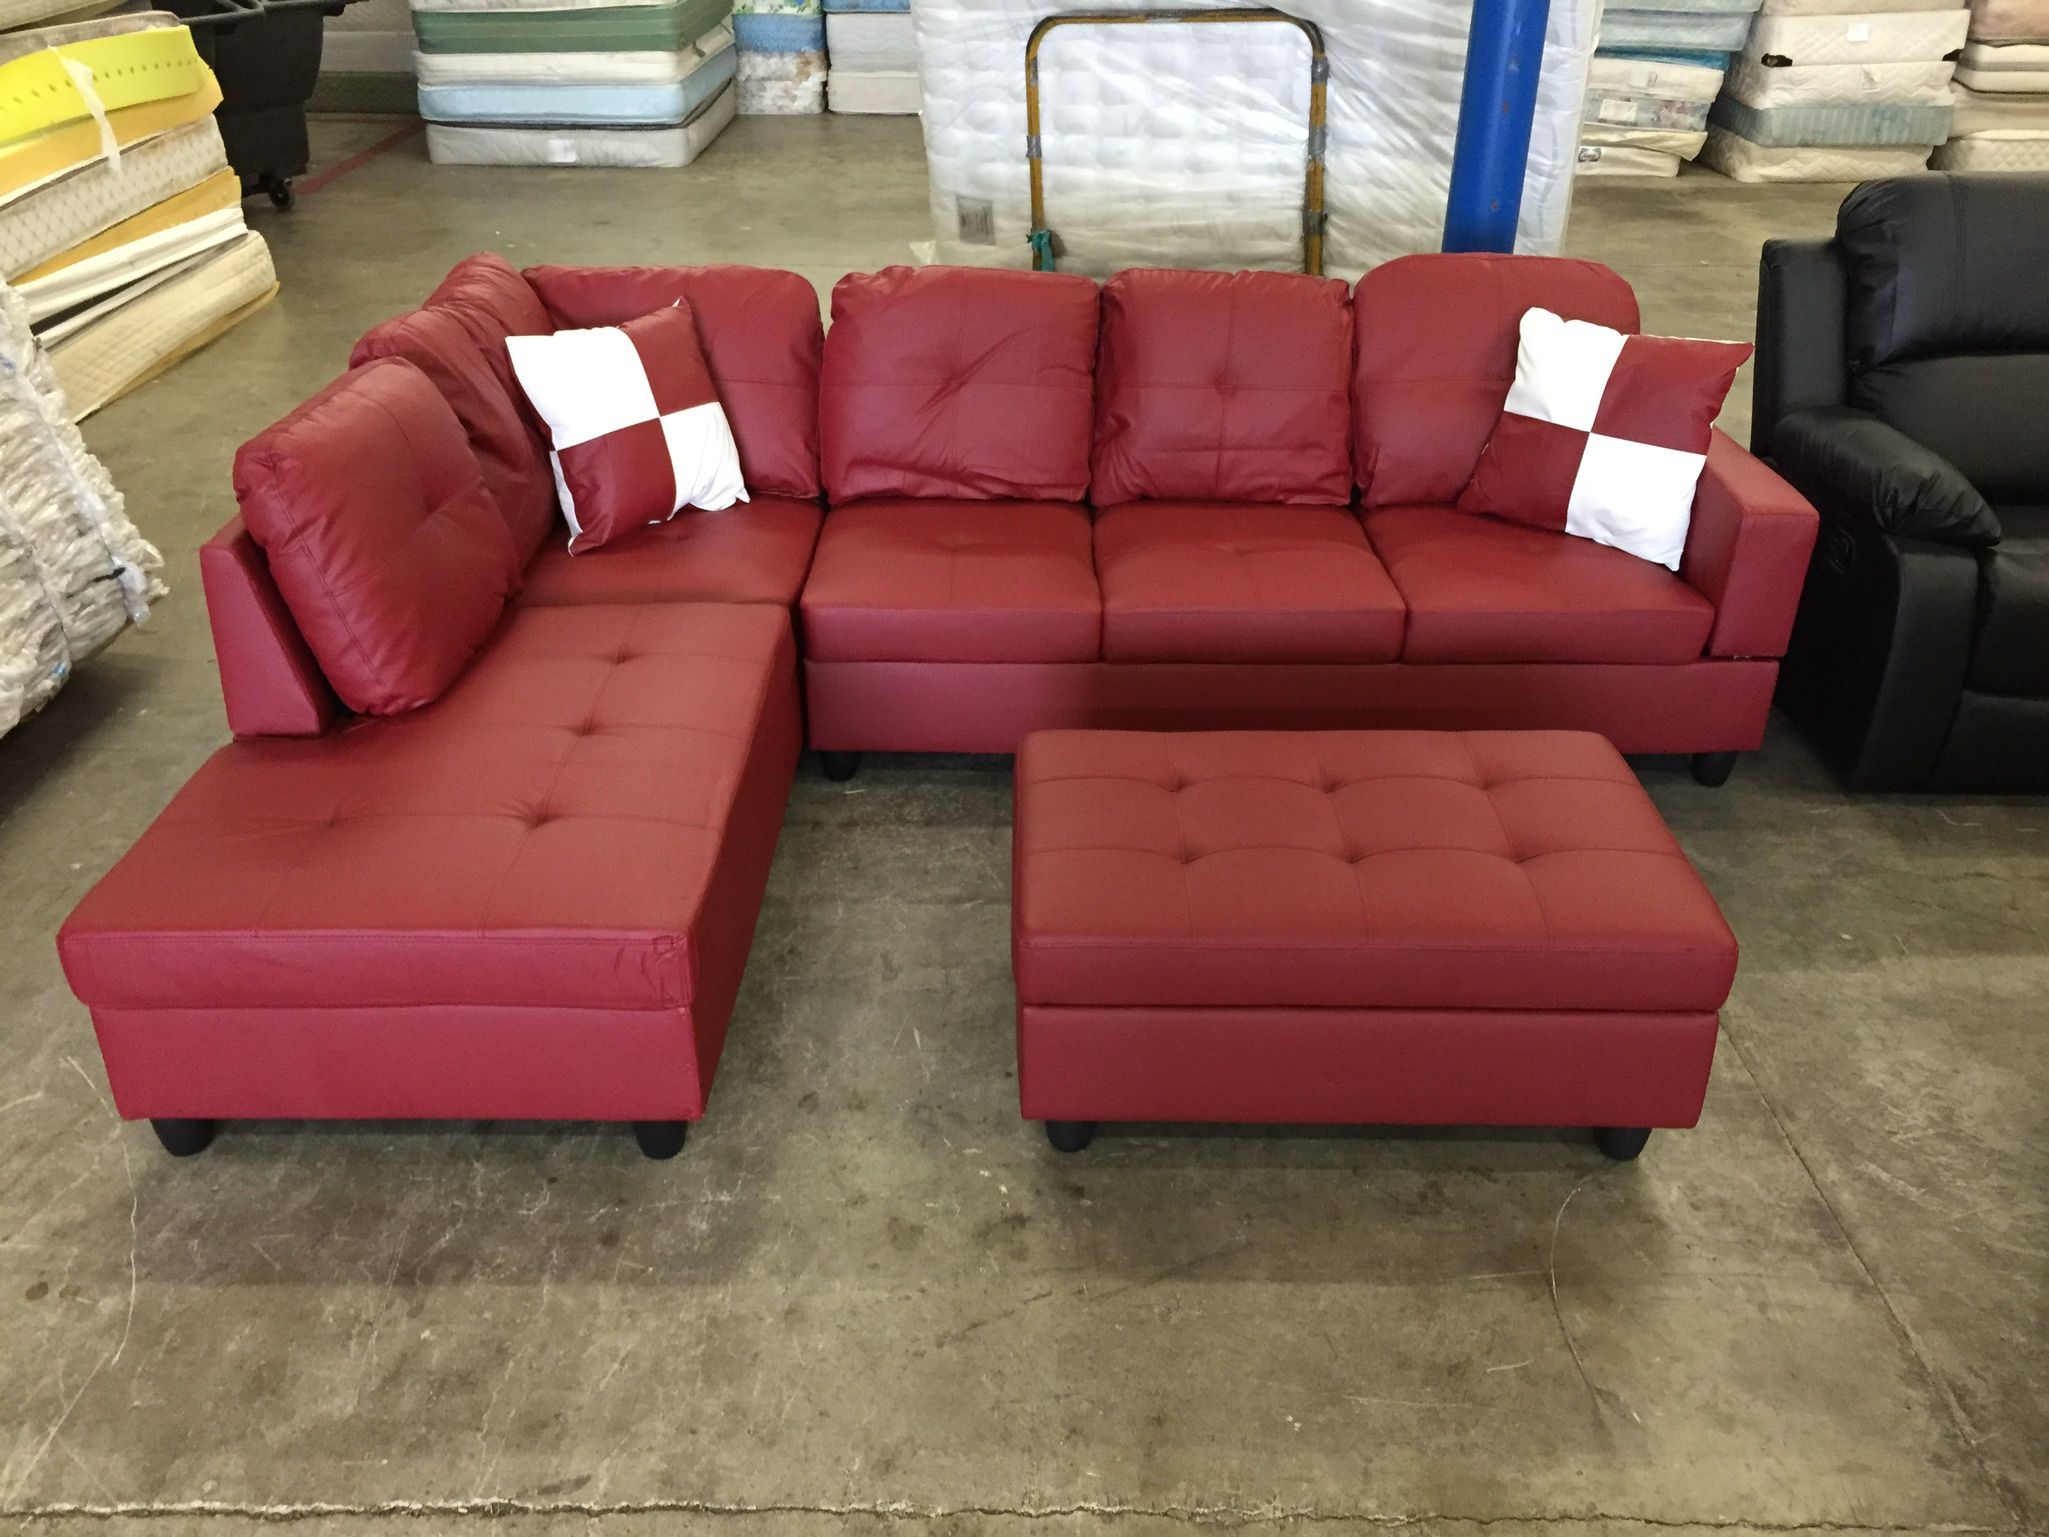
pixel 1363 927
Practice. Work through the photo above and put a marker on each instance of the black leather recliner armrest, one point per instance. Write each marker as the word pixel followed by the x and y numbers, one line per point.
pixel 1851 464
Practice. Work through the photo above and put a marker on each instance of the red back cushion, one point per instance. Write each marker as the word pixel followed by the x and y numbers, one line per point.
pixel 514 462
pixel 388 550
pixel 1224 386
pixel 761 336
pixel 486 293
pixel 958 382
pixel 1436 355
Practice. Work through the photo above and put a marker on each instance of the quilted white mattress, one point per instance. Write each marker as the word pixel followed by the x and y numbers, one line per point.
pixel 2005 56
pixel 873 90
pixel 1866 37
pixel 1186 145
pixel 122 342
pixel 2010 20
pixel 675 100
pixel 1868 123
pixel 632 148
pixel 1995 152
pixel 871 40
pixel 41 221
pixel 1737 158
pixel 1666 141
pixel 1985 112
pixel 1708 32
pixel 1608 75
pixel 1823 85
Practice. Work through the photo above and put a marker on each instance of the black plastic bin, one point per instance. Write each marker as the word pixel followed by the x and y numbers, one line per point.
pixel 267 57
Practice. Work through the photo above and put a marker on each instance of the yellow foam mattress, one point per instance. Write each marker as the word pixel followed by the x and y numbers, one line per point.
pixel 55 86
pixel 217 194
pixel 30 162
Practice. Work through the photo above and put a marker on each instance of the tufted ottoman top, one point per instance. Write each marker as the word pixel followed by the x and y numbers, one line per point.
pixel 1354 869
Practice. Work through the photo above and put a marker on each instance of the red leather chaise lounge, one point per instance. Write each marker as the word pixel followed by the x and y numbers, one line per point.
pixel 513 870
pixel 1196 500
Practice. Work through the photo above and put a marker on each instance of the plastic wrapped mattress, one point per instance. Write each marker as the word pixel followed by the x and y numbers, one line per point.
pixel 73 570
pixel 1620 160
pixel 590 68
pixel 1843 7
pixel 1186 145
pixel 2010 20
pixel 1816 85
pixel 2003 58
pixel 587 106
pixel 45 220
pixel 1665 141
pixel 1868 37
pixel 783 63
pixel 656 148
pixel 1741 160
pixel 2018 75
pixel 1712 31
pixel 665 27
pixel 1641 93
pixel 1874 123
pixel 107 349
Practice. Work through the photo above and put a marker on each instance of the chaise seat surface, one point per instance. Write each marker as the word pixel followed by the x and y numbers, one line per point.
pixel 1379 869
pixel 543 835
pixel 752 552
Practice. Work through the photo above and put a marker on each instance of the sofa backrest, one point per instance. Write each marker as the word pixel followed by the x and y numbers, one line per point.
pixel 514 460
pixel 958 382
pixel 492 301
pixel 1946 325
pixel 380 535
pixel 1436 345
pixel 762 340
pixel 1223 386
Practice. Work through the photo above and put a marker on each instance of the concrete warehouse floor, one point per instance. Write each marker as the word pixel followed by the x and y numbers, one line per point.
pixel 868 1298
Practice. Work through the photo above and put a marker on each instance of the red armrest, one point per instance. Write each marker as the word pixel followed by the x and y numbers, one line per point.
pixel 269 679
pixel 1747 551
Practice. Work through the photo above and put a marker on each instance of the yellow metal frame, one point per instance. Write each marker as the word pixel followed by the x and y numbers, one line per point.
pixel 1319 77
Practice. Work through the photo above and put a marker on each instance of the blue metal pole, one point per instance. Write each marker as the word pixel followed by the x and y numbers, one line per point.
pixel 1504 57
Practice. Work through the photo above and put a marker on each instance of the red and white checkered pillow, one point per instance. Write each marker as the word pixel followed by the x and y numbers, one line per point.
pixel 637 427
pixel 1604 434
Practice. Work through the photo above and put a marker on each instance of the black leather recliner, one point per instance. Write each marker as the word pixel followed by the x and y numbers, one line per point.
pixel 1903 387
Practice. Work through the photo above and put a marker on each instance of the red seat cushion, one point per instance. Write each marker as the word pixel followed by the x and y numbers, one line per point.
pixel 509 452
pixel 958 382
pixel 953 581
pixel 1216 582
pixel 761 336
pixel 1364 869
pixel 486 293
pixel 1224 386
pixel 751 552
pixel 1436 355
pixel 1481 590
pixel 541 837
pixel 390 553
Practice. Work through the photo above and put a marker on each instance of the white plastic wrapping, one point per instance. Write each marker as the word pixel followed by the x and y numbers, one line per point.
pixel 1186 144
pixel 73 570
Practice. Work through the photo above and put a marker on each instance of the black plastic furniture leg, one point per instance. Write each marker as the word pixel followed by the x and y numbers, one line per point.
pixel 839 767
pixel 660 1139
pixel 182 1138
pixel 1070 1136
pixel 1621 1143
pixel 1713 768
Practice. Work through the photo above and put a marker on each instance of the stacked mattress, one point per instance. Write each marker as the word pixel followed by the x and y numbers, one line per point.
pixel 2002 91
pixel 1653 79
pixel 1820 94
pixel 782 56
pixel 73 570
pixel 121 229
pixel 574 82
pixel 873 51
pixel 1168 145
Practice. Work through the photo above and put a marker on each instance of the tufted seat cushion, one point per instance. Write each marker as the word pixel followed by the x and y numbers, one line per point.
pixel 544 835
pixel 750 552
pixel 1483 590
pixel 953 581
pixel 1226 582
pixel 1426 870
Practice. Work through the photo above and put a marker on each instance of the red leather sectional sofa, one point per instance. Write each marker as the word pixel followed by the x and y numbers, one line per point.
pixel 1178 500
